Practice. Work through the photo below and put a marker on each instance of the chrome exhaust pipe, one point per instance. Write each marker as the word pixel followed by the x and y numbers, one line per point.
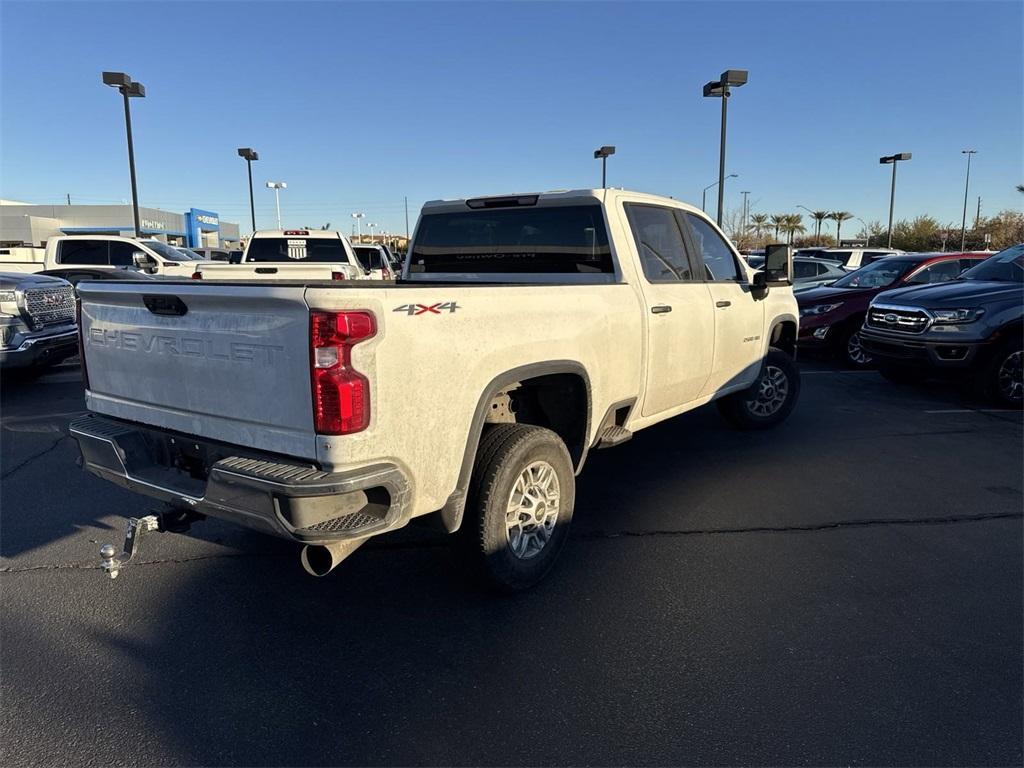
pixel 321 559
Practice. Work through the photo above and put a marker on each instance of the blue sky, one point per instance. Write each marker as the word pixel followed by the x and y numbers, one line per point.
pixel 356 105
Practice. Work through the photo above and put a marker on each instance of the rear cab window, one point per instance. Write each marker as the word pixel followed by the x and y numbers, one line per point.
pixel 369 258
pixel 297 248
pixel 83 252
pixel 554 240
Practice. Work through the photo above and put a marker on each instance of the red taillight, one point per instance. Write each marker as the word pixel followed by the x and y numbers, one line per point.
pixel 81 342
pixel 341 395
pixel 337 275
pixel 385 273
pixel 197 275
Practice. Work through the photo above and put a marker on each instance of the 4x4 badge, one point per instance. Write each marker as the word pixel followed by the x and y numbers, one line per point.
pixel 427 309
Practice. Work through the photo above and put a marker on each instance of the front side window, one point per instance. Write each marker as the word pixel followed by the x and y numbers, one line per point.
pixel 719 263
pixel 121 254
pixel 941 272
pixel 1005 267
pixel 659 241
pixel 878 274
pixel 564 239
pixel 288 249
pixel 83 252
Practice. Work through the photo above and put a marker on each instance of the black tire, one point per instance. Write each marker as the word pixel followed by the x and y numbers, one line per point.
pixel 902 374
pixel 745 410
pixel 505 454
pixel 1002 377
pixel 851 353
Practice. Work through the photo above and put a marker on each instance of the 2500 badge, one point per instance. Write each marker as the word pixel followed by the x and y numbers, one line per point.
pixel 427 309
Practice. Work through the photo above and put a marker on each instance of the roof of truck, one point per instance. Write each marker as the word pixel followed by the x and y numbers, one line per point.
pixel 555 195
pixel 299 232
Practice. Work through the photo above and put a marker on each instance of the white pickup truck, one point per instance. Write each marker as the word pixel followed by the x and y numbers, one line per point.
pixel 67 255
pixel 291 254
pixel 526 331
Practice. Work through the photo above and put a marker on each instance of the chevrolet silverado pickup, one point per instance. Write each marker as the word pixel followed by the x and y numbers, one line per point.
pixel 524 332
pixel 290 254
pixel 971 327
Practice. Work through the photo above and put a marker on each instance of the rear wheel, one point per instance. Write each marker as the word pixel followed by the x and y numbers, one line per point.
pixel 770 399
pixel 520 505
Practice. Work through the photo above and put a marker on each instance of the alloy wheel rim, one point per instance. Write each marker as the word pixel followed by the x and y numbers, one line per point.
pixel 856 352
pixel 772 391
pixel 532 510
pixel 1011 376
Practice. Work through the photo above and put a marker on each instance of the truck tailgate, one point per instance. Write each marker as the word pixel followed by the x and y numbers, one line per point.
pixel 226 362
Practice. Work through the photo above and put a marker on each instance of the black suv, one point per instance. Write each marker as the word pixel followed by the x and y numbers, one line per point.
pixel 972 326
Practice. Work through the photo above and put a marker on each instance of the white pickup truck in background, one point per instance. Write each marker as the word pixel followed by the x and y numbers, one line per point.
pixel 290 254
pixel 91 253
pixel 526 331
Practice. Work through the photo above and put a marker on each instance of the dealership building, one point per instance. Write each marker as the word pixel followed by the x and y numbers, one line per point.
pixel 26 224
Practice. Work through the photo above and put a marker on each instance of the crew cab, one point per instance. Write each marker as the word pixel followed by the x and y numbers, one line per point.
pixel 37 321
pixel 831 316
pixel 526 331
pixel 290 254
pixel 969 327
pixel 67 253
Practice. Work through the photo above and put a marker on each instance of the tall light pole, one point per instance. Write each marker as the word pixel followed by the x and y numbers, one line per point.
pixel 867 233
pixel 746 210
pixel 250 154
pixel 359 226
pixel 129 90
pixel 604 153
pixel 371 227
pixel 893 160
pixel 704 194
pixel 967 186
pixel 731 78
pixel 277 186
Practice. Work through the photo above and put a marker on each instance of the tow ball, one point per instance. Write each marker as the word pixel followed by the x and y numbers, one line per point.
pixel 111 563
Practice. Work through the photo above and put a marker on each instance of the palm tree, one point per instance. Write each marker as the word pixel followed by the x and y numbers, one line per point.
pixel 1020 187
pixel 819 218
pixel 778 221
pixel 794 224
pixel 758 223
pixel 839 217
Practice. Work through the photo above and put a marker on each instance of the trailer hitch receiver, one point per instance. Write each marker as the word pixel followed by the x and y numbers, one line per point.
pixel 112 563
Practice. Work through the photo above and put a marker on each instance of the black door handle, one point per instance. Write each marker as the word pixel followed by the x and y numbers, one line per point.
pixel 721 304
pixel 661 309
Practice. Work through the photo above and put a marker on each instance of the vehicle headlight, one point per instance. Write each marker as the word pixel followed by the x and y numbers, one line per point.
pixel 7 296
pixel 957 315
pixel 819 309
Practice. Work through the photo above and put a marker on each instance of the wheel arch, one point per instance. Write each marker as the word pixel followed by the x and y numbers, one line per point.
pixel 573 425
pixel 783 334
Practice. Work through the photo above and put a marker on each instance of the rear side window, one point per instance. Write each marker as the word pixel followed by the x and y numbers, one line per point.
pixel 659 242
pixel 370 258
pixel 285 249
pixel 805 269
pixel 545 240
pixel 82 252
pixel 941 272
pixel 719 263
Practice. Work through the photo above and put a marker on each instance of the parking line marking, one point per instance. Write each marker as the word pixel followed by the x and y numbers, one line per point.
pixel 975 410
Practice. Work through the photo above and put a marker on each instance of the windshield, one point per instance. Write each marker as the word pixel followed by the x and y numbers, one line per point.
pixel 877 274
pixel 169 251
pixel 188 254
pixel 1005 267
pixel 552 239
pixel 286 249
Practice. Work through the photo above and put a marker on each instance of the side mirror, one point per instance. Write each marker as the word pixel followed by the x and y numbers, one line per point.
pixel 142 260
pixel 778 264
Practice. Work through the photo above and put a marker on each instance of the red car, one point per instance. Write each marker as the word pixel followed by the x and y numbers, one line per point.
pixel 831 316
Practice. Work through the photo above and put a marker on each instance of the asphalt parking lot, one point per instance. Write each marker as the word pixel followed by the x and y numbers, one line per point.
pixel 844 590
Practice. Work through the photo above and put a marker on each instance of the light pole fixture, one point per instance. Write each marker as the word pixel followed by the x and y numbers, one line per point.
pixel 604 153
pixel 277 186
pixel 720 89
pixel 893 160
pixel 129 90
pixel 371 227
pixel 704 194
pixel 745 213
pixel 359 226
pixel 967 186
pixel 250 154
pixel 867 233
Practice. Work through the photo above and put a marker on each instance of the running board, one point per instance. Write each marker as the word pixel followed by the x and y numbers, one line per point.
pixel 612 436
